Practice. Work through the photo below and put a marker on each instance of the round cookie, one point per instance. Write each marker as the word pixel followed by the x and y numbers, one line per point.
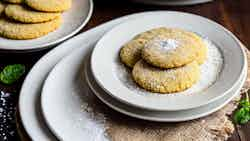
pixel 21 31
pixel 26 15
pixel 2 7
pixel 130 53
pixel 165 80
pixel 14 1
pixel 173 49
pixel 49 5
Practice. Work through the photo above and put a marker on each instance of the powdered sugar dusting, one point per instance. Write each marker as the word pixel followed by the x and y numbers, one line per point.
pixel 94 124
pixel 7 116
pixel 91 122
pixel 163 43
pixel 210 71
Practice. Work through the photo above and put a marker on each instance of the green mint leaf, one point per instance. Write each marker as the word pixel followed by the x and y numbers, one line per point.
pixel 242 115
pixel 12 73
pixel 245 119
pixel 245 103
pixel 238 115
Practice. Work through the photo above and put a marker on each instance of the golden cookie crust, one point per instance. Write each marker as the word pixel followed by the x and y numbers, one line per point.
pixel 201 53
pixel 26 15
pixel 130 53
pixel 147 35
pixel 49 5
pixel 14 1
pixel 2 7
pixel 165 80
pixel 173 49
pixel 22 31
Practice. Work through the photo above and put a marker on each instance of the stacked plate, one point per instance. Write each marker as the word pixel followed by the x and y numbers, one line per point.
pixel 172 2
pixel 64 82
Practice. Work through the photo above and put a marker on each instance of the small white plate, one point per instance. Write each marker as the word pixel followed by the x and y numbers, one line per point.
pixel 66 90
pixel 73 21
pixel 106 55
pixel 162 116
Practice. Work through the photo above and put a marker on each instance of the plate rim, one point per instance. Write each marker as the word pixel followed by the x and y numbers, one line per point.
pixel 55 42
pixel 135 102
pixel 173 3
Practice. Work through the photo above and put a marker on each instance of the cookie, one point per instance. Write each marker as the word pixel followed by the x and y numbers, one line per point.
pixel 165 80
pixel 130 53
pixel 147 35
pixel 22 31
pixel 14 1
pixel 2 7
pixel 49 5
pixel 26 15
pixel 201 54
pixel 174 48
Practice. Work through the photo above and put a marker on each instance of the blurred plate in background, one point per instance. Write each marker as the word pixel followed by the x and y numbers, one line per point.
pixel 172 2
pixel 73 21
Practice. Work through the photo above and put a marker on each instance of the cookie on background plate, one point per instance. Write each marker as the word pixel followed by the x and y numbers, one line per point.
pixel 22 31
pixel 14 1
pixel 165 80
pixel 26 15
pixel 2 7
pixel 49 5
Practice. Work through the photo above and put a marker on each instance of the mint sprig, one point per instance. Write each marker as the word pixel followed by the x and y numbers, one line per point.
pixel 12 73
pixel 242 115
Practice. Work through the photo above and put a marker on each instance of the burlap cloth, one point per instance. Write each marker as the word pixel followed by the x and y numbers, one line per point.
pixel 215 127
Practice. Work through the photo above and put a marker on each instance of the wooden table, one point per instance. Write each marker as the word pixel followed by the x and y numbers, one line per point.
pixel 233 14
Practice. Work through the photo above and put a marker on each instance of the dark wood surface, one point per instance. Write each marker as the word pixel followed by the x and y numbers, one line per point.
pixel 233 14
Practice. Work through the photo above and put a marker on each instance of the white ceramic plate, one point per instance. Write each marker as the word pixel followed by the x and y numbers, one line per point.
pixel 173 2
pixel 106 55
pixel 162 116
pixel 29 99
pixel 65 91
pixel 73 21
